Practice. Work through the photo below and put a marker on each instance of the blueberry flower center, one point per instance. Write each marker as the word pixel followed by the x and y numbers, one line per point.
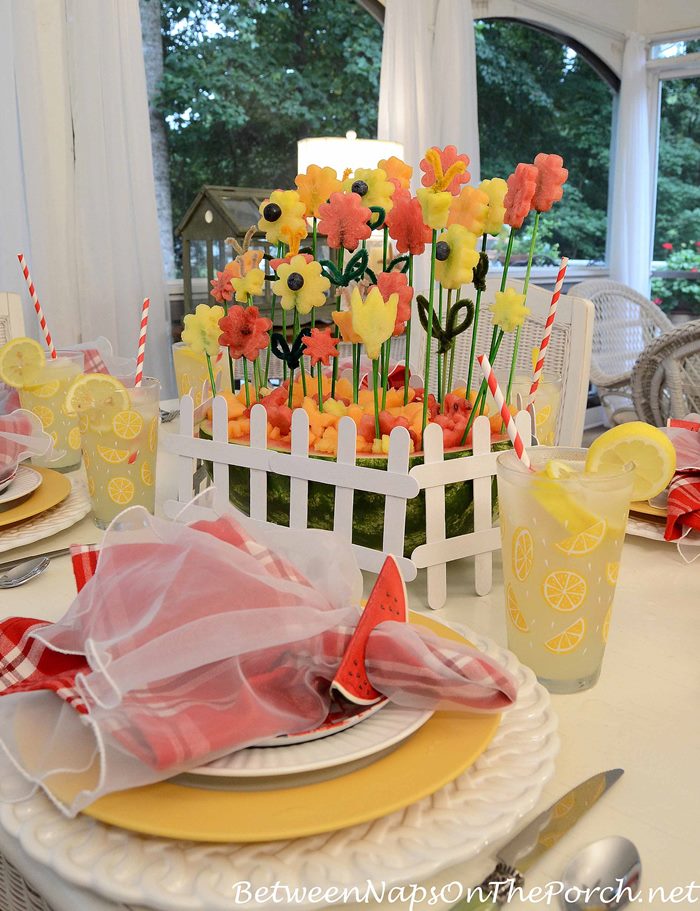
pixel 442 251
pixel 360 187
pixel 295 282
pixel 272 212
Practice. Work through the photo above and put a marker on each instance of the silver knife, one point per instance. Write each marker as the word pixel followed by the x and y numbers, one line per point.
pixel 10 564
pixel 521 852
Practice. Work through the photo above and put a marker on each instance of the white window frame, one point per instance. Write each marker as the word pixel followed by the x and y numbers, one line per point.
pixel 686 66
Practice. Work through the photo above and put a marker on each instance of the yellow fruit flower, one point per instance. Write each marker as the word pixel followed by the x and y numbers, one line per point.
pixel 300 284
pixel 379 189
pixel 456 256
pixel 373 319
pixel 396 169
pixel 201 332
pixel 495 189
pixel 247 285
pixel 343 320
pixel 509 310
pixel 435 206
pixel 470 209
pixel 316 186
pixel 283 218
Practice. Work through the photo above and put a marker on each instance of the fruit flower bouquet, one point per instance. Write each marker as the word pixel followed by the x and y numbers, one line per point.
pixel 361 295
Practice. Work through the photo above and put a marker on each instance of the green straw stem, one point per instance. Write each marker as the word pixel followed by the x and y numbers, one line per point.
pixel 439 359
pixel 267 354
pixel 355 373
pixel 408 334
pixel 211 374
pixel 284 333
pixel 230 359
pixel 319 377
pixel 246 382
pixel 341 253
pixel 480 400
pixel 429 335
pixel 385 250
pixel 445 356
pixel 375 376
pixel 386 347
pixel 526 285
pixel 297 329
pixel 475 325
pixel 291 388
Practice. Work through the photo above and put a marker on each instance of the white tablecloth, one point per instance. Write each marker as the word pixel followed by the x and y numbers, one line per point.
pixel 642 715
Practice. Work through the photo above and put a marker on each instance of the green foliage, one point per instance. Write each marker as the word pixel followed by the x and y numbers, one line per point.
pixel 680 293
pixel 245 80
pixel 535 95
pixel 678 189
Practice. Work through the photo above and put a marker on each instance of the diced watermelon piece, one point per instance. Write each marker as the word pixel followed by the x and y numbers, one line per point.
pixel 387 601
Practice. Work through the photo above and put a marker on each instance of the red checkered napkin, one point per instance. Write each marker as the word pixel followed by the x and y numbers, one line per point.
pixel 200 709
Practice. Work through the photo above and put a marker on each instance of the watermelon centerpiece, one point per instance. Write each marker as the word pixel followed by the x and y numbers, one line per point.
pixel 368 509
pixel 387 601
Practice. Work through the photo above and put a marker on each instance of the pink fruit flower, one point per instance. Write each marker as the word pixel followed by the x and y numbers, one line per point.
pixel 397 283
pixel 551 177
pixel 448 156
pixel 522 185
pixel 344 220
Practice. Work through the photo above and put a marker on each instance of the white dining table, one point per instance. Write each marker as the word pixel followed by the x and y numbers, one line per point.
pixel 641 716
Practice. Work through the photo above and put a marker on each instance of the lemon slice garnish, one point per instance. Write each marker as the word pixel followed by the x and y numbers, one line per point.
pixel 21 362
pixel 647 447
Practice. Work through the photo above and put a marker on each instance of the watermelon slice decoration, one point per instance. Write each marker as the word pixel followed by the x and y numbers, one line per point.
pixel 387 601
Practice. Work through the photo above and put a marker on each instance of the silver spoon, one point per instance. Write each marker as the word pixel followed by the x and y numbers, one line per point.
pixel 604 874
pixel 23 572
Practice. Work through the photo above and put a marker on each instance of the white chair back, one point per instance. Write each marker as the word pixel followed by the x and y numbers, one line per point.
pixel 11 317
pixel 569 353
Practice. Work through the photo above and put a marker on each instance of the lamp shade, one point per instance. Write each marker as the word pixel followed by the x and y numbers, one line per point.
pixel 344 152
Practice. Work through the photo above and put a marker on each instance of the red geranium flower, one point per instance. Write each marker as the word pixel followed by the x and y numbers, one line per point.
pixel 551 177
pixel 244 332
pixel 448 156
pixel 397 283
pixel 221 287
pixel 657 301
pixel 522 185
pixel 406 226
pixel 344 220
pixel 321 346
pixel 667 246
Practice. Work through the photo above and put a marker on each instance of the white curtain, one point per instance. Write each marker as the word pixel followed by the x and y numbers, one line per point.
pixel 427 92
pixel 76 178
pixel 630 227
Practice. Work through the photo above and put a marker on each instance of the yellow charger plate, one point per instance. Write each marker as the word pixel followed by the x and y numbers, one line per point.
pixel 435 755
pixel 642 509
pixel 53 490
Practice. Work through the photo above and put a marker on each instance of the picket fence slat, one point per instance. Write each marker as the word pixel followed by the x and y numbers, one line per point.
pixel 345 496
pixel 435 517
pixel 395 507
pixel 397 485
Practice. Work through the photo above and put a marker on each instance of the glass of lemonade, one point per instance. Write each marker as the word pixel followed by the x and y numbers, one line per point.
pixel 191 372
pixel 119 441
pixel 45 398
pixel 547 402
pixel 562 532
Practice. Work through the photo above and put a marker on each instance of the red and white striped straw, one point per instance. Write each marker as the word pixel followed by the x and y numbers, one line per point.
pixel 37 305
pixel 544 344
pixel 506 416
pixel 142 341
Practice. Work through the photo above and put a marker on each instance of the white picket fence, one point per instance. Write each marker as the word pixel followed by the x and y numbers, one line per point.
pixel 397 484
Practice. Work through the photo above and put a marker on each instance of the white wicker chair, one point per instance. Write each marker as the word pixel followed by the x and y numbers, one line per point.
pixel 11 317
pixel 625 323
pixel 666 378
pixel 569 351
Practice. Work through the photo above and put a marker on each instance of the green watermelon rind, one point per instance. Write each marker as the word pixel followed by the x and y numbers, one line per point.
pixel 368 508
pixel 373 614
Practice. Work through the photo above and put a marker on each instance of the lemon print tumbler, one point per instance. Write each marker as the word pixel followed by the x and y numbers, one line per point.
pixel 119 433
pixel 562 531
pixel 547 402
pixel 42 382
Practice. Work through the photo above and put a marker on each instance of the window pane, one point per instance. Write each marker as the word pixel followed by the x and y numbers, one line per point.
pixel 677 230
pixel 536 95
pixel 662 50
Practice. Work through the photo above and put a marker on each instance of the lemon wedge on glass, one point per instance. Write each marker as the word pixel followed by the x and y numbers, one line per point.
pixel 98 395
pixel 647 447
pixel 21 362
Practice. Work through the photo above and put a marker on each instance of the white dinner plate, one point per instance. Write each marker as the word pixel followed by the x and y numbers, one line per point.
pixel 474 812
pixel 24 482
pixel 383 730
pixel 339 719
